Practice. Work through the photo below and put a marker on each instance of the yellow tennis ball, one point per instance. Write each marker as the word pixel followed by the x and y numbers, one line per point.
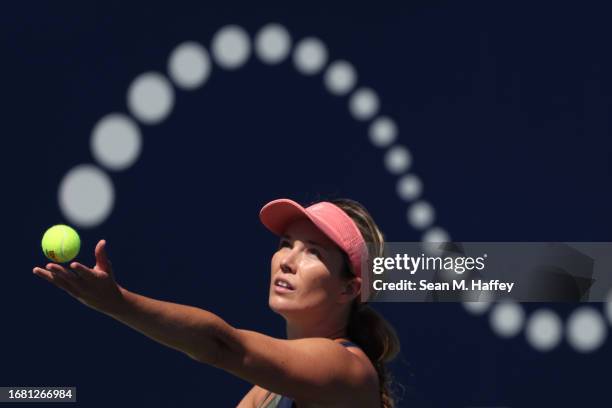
pixel 61 243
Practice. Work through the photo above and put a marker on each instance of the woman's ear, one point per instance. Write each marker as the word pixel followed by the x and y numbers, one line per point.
pixel 352 289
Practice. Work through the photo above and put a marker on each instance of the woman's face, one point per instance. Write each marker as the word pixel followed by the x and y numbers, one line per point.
pixel 310 263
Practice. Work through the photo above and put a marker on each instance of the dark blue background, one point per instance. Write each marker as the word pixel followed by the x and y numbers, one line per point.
pixel 504 106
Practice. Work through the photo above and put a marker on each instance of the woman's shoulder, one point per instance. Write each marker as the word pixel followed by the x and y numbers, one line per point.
pixel 356 350
pixel 363 377
pixel 370 375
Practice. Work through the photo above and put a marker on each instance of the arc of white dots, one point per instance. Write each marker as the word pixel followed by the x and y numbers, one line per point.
pixel 86 193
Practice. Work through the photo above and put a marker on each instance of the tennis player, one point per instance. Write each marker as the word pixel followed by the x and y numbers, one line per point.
pixel 336 347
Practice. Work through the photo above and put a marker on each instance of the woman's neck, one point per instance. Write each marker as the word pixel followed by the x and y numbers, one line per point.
pixel 300 331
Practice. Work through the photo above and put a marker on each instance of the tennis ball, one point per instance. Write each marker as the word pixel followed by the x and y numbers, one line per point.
pixel 61 243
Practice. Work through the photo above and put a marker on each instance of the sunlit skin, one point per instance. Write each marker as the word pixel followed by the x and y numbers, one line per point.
pixel 320 302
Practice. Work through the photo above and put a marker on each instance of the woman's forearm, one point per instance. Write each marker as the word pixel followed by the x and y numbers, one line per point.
pixel 191 330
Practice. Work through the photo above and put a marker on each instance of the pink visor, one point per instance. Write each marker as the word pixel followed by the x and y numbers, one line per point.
pixel 329 218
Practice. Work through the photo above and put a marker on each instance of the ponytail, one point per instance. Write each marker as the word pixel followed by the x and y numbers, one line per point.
pixel 379 341
pixel 366 327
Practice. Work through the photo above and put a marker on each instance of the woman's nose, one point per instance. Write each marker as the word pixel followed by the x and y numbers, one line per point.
pixel 285 267
pixel 288 262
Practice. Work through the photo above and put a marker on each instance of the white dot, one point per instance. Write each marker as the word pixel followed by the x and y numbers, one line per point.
pixel 189 65
pixel 507 319
pixel 409 187
pixel 150 98
pixel 272 43
pixel 340 78
pixel 116 141
pixel 86 195
pixel 586 330
pixel 309 56
pixel 543 330
pixel 363 104
pixel 420 215
pixel 609 307
pixel 383 132
pixel 231 47
pixel 397 160
pixel 432 239
pixel 477 308
pixel 436 234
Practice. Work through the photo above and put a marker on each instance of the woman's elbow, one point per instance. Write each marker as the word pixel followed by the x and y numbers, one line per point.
pixel 210 354
pixel 219 347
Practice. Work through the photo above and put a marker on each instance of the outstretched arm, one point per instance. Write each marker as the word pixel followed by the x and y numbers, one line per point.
pixel 310 369
pixel 188 329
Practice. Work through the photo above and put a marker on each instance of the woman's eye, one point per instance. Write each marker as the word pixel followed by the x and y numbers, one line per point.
pixel 315 252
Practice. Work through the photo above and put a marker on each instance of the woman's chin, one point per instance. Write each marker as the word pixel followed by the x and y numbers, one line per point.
pixel 281 305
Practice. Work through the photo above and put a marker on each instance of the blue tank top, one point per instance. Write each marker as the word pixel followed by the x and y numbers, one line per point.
pixel 286 402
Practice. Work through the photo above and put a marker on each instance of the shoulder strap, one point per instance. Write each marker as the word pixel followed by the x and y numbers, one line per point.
pixel 273 403
pixel 278 401
pixel 347 343
pixel 286 402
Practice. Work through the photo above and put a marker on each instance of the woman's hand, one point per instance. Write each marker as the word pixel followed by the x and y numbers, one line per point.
pixel 94 287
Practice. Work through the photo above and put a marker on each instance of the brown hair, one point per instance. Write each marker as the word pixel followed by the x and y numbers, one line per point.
pixel 366 326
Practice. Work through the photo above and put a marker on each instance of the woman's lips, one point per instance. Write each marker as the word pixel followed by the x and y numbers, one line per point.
pixel 282 286
pixel 280 289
